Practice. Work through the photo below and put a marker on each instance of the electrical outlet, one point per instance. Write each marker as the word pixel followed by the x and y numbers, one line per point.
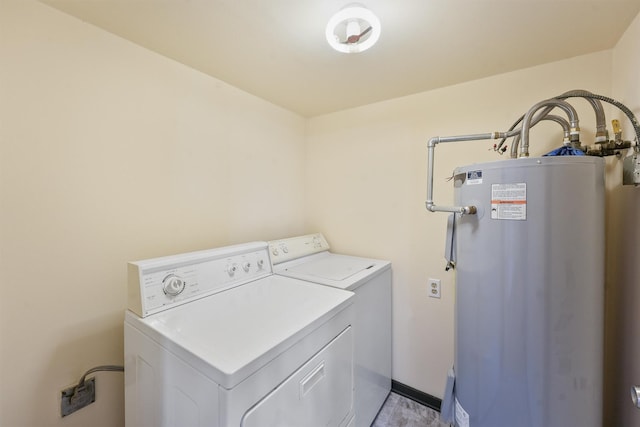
pixel 74 398
pixel 433 288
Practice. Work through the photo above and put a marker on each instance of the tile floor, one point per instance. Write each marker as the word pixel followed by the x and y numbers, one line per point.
pixel 399 411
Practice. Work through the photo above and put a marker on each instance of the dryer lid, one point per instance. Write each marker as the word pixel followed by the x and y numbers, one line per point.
pixel 232 334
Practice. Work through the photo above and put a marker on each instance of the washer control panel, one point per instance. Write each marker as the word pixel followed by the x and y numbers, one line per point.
pixel 296 247
pixel 161 283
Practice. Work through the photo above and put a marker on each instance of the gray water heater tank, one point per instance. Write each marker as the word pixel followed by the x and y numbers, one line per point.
pixel 530 293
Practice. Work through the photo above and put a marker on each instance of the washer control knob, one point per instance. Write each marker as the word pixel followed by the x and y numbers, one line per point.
pixel 231 269
pixel 260 264
pixel 172 285
pixel 635 396
pixel 246 266
pixel 275 252
pixel 285 249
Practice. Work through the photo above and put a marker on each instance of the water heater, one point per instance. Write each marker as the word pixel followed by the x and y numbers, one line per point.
pixel 530 293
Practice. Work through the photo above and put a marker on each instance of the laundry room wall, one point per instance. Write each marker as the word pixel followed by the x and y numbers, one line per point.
pixel 367 188
pixel 111 153
pixel 623 242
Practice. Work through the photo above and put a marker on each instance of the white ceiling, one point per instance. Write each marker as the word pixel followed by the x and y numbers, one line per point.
pixel 276 49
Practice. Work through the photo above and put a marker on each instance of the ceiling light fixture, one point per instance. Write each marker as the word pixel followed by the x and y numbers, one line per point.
pixel 353 29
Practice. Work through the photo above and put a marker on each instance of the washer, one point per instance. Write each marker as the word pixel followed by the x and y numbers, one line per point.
pixel 214 338
pixel 308 258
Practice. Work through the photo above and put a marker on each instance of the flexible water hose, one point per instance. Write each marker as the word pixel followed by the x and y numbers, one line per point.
pixel 550 117
pixel 527 122
pixel 593 100
pixel 632 118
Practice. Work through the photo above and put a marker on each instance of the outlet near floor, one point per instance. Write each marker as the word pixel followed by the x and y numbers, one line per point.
pixel 74 398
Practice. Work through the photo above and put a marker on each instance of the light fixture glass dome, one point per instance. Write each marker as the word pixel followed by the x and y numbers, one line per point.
pixel 353 29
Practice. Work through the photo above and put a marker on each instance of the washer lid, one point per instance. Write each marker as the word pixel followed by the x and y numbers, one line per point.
pixel 340 271
pixel 232 334
pixel 333 267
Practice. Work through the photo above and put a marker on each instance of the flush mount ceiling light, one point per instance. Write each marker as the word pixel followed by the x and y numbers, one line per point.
pixel 354 29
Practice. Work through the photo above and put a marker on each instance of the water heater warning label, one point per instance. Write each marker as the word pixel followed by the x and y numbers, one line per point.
pixel 509 201
pixel 462 417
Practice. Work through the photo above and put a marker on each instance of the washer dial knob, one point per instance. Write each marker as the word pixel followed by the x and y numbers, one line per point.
pixel 260 264
pixel 246 266
pixel 173 285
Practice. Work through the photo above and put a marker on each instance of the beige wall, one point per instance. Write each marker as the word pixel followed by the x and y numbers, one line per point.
pixel 111 153
pixel 623 292
pixel 366 173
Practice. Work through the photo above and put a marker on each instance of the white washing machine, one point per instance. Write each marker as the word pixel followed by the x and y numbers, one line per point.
pixel 308 258
pixel 215 339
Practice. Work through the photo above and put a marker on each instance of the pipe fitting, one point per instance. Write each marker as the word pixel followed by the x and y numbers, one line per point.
pixel 431 145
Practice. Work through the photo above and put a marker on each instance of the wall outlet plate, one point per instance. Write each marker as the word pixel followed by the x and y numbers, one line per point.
pixel 433 288
pixel 85 395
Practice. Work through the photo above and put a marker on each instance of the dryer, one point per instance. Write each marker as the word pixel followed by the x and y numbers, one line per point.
pixel 214 338
pixel 309 258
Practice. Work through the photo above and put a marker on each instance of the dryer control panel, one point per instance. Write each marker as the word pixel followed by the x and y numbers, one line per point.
pixel 161 283
pixel 296 247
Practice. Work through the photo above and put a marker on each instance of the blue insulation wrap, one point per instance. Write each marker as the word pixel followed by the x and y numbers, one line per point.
pixel 566 151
